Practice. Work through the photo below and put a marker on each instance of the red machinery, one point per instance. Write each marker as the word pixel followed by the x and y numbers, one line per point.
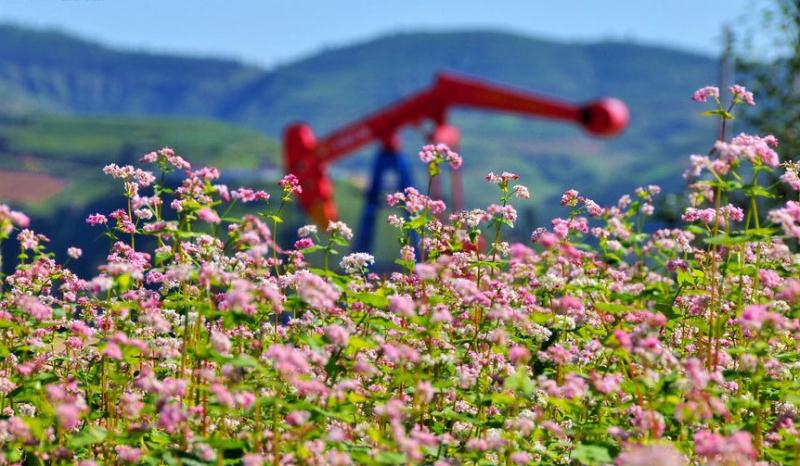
pixel 308 158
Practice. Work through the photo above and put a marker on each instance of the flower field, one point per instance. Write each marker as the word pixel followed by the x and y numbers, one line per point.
pixel 203 341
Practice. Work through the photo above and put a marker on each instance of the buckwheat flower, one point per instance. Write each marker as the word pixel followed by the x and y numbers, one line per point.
pixel 28 239
pixel 502 178
pixel 35 308
pixel 150 157
pixel 315 291
pixel 520 192
pixel 341 229
pixel 570 198
pixel 128 454
pixel 205 452
pixel 428 153
pixel 453 159
pixel 297 418
pixel 9 218
pixel 788 218
pixel 425 391
pixel 507 212
pixel 208 215
pixel 702 94
pixel 338 458
pixel 130 405
pixel 651 455
pixel 606 384
pixel 518 354
pixel 74 252
pixel 337 335
pixel 356 262
pixel 791 178
pixel 755 316
pixel 408 253
pixel 113 351
pixel 290 184
pixel 306 231
pixel 647 422
pixel 221 343
pixel 69 416
pixel 441 314
pixel 246 195
pixel 521 457
pixel 252 459
pixel 402 305
pixel 741 94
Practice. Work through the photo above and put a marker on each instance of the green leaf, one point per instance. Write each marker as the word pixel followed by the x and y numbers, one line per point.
pixel 88 436
pixel 613 308
pixel 244 360
pixel 356 344
pixel 720 112
pixel 726 240
pixel 520 382
pixel 591 454
pixel 371 299
pixel 759 191
pixel 387 457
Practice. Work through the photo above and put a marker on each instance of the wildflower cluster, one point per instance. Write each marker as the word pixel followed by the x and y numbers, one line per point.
pixel 201 340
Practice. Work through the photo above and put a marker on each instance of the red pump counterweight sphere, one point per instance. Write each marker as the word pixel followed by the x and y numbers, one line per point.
pixel 605 117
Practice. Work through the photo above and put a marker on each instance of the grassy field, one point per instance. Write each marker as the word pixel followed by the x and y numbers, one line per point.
pixel 74 149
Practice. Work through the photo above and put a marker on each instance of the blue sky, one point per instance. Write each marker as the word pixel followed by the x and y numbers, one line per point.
pixel 270 32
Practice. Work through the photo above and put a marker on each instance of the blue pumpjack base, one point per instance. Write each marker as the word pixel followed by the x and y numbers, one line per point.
pixel 384 161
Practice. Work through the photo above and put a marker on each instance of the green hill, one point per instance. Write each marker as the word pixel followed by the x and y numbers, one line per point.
pixel 47 72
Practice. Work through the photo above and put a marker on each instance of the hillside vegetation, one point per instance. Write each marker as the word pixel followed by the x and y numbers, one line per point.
pixel 44 72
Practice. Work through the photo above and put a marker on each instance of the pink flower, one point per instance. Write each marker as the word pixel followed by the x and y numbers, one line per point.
pixel 113 351
pixel 502 178
pixel 402 305
pixel 315 291
pixel 425 391
pixel 651 455
pixel 290 184
pixel 170 417
pixel 74 253
pixel 252 459
pixel 340 229
pixel 128 454
pixel 440 152
pixel 68 416
pixel 521 457
pixel 702 94
pixel 518 354
pixel 741 94
pixel 96 219
pixel 35 308
pixel 606 384
pixel 298 418
pixel 356 262
pixel 208 215
pixel 337 335
pixel 735 449
pixel 220 342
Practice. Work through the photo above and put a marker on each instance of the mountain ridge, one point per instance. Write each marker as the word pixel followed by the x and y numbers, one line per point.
pixel 52 72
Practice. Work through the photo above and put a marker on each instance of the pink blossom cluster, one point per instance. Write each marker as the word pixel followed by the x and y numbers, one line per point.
pixel 204 339
pixel 436 153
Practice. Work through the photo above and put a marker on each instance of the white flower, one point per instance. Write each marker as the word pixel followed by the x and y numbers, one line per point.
pixel 356 262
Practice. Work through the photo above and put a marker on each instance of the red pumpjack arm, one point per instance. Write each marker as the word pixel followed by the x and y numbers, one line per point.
pixel 309 158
